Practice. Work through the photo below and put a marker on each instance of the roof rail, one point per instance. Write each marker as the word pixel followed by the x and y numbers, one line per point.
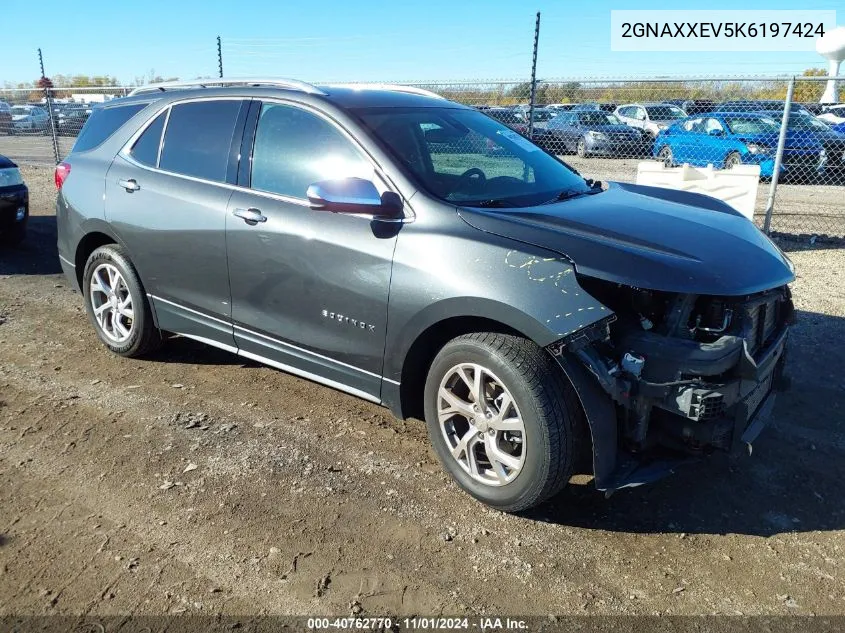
pixel 394 87
pixel 291 84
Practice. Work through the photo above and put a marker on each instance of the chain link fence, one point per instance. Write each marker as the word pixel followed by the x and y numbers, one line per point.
pixel 604 128
pixel 39 126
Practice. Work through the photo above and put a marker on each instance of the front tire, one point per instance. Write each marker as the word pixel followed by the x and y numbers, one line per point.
pixel 117 305
pixel 502 419
pixel 666 157
pixel 581 148
pixel 732 160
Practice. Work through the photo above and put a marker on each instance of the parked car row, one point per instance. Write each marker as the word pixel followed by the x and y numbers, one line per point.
pixel 35 118
pixel 723 135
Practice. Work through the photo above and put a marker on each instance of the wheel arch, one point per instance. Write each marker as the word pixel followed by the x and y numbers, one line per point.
pixel 439 324
pixel 95 233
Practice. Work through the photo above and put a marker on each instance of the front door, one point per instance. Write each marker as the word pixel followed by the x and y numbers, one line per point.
pixel 309 288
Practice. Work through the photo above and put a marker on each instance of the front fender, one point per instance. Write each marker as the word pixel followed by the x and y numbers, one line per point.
pixel 528 289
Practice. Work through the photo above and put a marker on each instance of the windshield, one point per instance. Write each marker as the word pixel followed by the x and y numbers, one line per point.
pixel 464 157
pixel 752 125
pixel 665 112
pixel 20 110
pixel 598 118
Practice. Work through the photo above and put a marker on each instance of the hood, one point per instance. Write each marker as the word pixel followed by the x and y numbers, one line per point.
pixel 795 139
pixel 648 237
pixel 20 117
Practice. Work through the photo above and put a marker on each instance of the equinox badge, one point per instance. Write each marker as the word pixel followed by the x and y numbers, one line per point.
pixel 340 318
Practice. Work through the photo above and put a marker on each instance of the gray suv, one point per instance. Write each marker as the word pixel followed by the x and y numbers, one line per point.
pixel 419 254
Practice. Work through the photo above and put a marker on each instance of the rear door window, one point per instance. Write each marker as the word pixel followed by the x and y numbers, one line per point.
pixel 145 149
pixel 103 123
pixel 198 138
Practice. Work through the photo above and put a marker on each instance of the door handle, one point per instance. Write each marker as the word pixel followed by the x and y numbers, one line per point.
pixel 251 216
pixel 130 185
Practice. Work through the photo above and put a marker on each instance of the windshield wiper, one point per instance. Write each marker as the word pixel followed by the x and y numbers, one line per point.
pixel 495 203
pixel 568 194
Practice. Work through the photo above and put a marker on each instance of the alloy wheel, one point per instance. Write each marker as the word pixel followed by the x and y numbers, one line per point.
pixel 481 424
pixel 111 302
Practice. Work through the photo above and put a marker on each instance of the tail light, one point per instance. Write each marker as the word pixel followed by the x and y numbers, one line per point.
pixel 62 172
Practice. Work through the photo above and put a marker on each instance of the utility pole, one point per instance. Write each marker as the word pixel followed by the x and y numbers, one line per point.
pixel 533 79
pixel 219 57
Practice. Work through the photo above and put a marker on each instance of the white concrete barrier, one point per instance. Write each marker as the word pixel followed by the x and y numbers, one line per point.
pixel 736 186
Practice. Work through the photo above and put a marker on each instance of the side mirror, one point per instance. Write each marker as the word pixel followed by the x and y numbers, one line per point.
pixel 573 124
pixel 715 133
pixel 355 196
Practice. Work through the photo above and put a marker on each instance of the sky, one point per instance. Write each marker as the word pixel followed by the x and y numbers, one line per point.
pixel 359 40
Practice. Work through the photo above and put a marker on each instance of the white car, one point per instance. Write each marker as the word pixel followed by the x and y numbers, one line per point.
pixel 652 118
pixel 833 114
pixel 27 118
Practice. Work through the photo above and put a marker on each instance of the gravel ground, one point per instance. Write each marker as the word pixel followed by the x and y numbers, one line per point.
pixel 193 483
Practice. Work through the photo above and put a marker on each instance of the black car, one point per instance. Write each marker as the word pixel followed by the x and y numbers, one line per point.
pixel 693 106
pixel 510 117
pixel 14 203
pixel 833 161
pixel 592 132
pixel 70 117
pixel 525 312
pixel 761 105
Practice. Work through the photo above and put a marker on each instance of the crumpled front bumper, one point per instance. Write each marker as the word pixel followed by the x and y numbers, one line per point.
pixel 662 419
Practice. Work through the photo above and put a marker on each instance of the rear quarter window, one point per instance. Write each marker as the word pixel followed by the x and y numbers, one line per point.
pixel 103 123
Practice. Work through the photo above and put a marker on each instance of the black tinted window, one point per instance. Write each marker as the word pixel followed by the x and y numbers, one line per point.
pixel 294 149
pixel 199 137
pixel 145 149
pixel 103 123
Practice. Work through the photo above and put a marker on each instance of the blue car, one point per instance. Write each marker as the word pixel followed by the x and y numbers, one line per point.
pixel 727 139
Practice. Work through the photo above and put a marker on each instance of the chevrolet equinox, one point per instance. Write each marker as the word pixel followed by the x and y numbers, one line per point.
pixel 417 253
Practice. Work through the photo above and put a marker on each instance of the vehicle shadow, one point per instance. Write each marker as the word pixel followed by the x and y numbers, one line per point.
pixel 791 483
pixel 182 350
pixel 36 255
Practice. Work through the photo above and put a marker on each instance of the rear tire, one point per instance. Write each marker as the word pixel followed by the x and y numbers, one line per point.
pixel 514 453
pixel 117 304
pixel 732 160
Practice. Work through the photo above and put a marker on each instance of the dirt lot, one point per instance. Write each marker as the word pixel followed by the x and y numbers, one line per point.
pixel 192 483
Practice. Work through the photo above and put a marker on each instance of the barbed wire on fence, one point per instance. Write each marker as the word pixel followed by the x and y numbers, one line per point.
pixel 603 127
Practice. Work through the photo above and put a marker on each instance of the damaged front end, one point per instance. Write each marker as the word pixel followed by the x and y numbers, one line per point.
pixel 670 377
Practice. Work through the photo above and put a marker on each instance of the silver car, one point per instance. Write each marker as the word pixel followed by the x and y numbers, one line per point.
pixel 652 118
pixel 27 118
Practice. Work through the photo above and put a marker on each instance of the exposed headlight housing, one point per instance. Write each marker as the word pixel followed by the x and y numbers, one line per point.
pixel 754 148
pixel 10 176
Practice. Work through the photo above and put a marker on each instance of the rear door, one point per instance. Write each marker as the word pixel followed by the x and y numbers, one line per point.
pixel 166 196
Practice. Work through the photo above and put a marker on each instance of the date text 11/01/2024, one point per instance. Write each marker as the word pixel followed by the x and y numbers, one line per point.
pixel 418 623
